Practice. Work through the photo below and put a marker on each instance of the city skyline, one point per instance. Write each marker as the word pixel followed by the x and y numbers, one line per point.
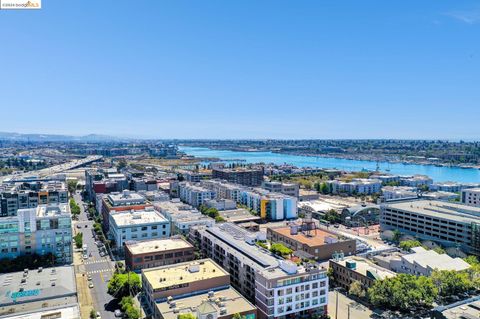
pixel 243 70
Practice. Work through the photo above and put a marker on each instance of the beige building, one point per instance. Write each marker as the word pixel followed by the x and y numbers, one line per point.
pixel 318 244
pixel 346 271
pixel 157 252
pixel 182 280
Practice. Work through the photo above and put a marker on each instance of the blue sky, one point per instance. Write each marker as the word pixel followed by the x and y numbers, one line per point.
pixel 243 69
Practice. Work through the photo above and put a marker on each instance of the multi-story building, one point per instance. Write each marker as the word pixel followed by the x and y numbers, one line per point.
pixel 224 189
pixel 119 202
pixel 240 175
pixel 41 230
pixel 315 243
pixel 143 184
pixel 387 179
pixel 471 196
pixel 220 204
pixel 196 177
pixel 278 287
pixel 194 194
pixel 26 292
pixel 449 224
pixel 137 225
pixel 452 187
pixel 398 192
pixel 182 216
pixel 157 252
pixel 347 271
pixel 30 195
pixel 360 186
pixel 270 206
pixel 172 282
pixel 415 181
pixel 290 189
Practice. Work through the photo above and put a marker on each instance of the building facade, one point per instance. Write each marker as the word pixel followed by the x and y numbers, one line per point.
pixel 244 176
pixel 41 230
pixel 471 196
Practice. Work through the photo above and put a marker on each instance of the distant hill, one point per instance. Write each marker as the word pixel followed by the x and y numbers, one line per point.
pixel 56 138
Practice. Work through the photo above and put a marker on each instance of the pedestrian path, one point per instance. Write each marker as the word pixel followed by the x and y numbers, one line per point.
pixel 95 261
pixel 97 271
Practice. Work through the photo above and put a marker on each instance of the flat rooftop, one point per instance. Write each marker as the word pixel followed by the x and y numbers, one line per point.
pixel 229 299
pixel 446 210
pixel 317 238
pixel 364 265
pixel 238 215
pixel 157 245
pixel 171 275
pixel 175 206
pixel 137 217
pixel 125 197
pixel 432 259
pixel 34 285
pixel 67 312
pixel 472 190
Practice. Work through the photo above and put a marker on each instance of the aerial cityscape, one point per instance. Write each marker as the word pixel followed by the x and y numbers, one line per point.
pixel 239 159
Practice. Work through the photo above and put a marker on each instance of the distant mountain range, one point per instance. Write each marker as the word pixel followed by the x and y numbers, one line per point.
pixel 57 138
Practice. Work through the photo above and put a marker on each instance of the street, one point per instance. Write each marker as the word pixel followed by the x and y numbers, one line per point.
pixel 99 268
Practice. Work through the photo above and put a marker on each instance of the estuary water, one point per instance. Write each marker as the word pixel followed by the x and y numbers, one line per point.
pixel 438 174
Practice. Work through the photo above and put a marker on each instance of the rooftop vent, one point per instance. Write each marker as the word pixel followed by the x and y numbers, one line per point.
pixel 194 268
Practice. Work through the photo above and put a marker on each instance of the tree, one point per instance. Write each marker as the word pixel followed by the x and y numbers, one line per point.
pixel 332 216
pixel 451 282
pixel 356 289
pixel 403 292
pixel 124 284
pixel 78 239
pixel 72 186
pixel 407 245
pixel 396 235
pixel 93 314
pixel 74 208
pixel 122 164
pixel 324 189
pixel 439 250
pixel 280 249
pixel 186 316
pixel 238 316
pixel 129 308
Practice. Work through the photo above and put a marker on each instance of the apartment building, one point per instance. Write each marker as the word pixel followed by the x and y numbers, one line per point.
pixel 240 175
pixel 270 206
pixel 471 196
pixel 194 194
pixel 450 224
pixel 416 181
pixel 277 287
pixel 157 252
pixel 40 230
pixel 196 177
pixel 346 271
pixel 119 202
pixel 315 243
pixel 182 216
pixel 29 195
pixel 224 189
pixel 289 189
pixel 360 186
pixel 386 178
pixel 452 187
pixel 398 192
pixel 137 225
pixel 221 204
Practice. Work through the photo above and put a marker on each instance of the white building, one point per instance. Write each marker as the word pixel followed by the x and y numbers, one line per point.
pixel 452 187
pixel 360 186
pixel 182 216
pixel 398 192
pixel 421 262
pixel 194 195
pixel 290 189
pixel 471 196
pixel 137 225
pixel 415 181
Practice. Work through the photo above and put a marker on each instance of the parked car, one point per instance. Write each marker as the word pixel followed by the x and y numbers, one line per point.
pixel 90 285
pixel 118 313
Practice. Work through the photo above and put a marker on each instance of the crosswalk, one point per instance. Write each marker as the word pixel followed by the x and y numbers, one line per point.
pixel 95 261
pixel 97 271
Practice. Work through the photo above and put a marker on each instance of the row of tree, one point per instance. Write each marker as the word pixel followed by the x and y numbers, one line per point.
pixel 212 213
pixel 74 208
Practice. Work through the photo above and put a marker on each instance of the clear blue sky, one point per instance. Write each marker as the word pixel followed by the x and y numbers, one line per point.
pixel 243 69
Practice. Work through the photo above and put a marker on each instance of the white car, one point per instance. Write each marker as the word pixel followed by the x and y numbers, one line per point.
pixel 85 256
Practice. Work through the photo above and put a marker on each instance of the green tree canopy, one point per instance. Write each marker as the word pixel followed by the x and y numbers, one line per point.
pixel 357 289
pixel 186 316
pixel 451 282
pixel 280 249
pixel 403 292
pixel 409 244
pixel 124 284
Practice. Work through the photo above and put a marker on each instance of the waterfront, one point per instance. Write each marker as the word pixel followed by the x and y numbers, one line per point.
pixel 438 174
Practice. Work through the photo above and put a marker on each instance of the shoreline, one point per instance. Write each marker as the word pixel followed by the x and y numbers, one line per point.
pixel 353 157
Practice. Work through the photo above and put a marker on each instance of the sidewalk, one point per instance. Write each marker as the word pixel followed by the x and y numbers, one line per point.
pixel 346 307
pixel 84 296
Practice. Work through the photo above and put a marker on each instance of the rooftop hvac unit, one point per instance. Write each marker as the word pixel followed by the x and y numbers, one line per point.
pixel 194 268
pixel 223 311
pixel 211 294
